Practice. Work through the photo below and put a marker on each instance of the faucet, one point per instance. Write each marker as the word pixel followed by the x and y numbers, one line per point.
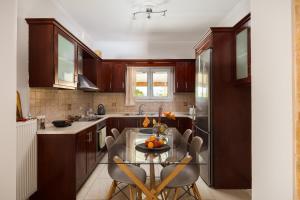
pixel 160 110
pixel 140 109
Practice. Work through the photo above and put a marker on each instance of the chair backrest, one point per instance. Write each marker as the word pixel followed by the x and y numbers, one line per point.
pixel 115 132
pixel 196 144
pixel 109 141
pixel 187 134
pixel 194 151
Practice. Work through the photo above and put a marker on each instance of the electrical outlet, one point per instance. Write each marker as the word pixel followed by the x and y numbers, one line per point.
pixel 69 107
pixel 185 103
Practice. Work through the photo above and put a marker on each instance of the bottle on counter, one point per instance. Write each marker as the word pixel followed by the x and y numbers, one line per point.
pixel 41 122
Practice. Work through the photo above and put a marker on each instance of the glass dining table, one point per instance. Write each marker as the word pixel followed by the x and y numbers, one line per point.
pixel 125 147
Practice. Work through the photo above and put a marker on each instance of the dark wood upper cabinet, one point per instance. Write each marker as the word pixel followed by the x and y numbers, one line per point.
pixel 242 51
pixel 118 77
pixel 184 76
pixel 104 75
pixel 111 76
pixel 53 54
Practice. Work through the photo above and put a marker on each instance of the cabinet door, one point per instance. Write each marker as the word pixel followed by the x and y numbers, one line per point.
pixel 81 170
pixel 112 123
pixel 91 149
pixel 65 56
pixel 180 80
pixel 130 122
pixel 118 77
pixel 184 123
pixel 243 56
pixel 169 122
pixel 104 76
pixel 190 76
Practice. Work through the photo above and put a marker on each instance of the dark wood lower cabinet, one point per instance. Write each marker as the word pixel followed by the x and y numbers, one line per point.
pixel 65 161
pixel 181 123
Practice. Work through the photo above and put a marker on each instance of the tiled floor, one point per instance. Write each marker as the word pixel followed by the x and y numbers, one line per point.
pixel 99 182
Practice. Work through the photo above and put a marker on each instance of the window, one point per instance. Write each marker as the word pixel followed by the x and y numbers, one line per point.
pixel 153 83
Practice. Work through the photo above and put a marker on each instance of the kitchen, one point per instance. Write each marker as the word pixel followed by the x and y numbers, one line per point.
pixel 79 90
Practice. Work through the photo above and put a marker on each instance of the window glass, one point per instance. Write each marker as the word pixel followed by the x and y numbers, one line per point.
pixel 160 84
pixel 141 85
pixel 153 83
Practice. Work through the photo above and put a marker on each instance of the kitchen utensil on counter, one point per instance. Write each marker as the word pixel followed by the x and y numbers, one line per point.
pixel 192 110
pixel 61 123
pixel 101 109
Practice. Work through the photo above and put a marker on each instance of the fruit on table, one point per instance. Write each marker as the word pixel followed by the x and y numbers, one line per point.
pixel 153 142
pixel 169 115
pixel 146 122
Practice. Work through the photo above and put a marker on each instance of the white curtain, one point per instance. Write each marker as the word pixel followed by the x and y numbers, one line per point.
pixel 130 86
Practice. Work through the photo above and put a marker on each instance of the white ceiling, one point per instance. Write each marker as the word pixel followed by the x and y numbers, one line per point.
pixel 111 20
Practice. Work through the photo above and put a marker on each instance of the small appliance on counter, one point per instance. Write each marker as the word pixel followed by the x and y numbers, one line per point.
pixel 61 123
pixel 101 110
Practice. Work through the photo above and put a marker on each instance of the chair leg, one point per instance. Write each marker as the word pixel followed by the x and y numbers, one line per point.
pixel 196 191
pixel 176 193
pixel 139 194
pixel 131 191
pixel 112 190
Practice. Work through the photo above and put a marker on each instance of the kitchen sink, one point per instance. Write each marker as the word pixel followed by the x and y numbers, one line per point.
pixel 137 114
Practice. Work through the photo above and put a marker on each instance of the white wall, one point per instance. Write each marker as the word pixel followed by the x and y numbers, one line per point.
pixel 236 14
pixel 8 51
pixel 272 123
pixel 145 49
pixel 43 9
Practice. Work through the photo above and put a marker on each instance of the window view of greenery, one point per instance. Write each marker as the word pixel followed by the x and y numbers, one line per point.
pixel 141 85
pixel 160 84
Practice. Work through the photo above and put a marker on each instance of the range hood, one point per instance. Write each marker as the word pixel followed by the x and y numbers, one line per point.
pixel 85 84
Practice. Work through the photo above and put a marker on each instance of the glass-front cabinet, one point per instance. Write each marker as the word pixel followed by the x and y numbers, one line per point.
pixel 243 52
pixel 65 61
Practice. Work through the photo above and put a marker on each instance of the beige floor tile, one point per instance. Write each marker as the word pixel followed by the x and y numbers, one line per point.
pixel 97 186
pixel 231 195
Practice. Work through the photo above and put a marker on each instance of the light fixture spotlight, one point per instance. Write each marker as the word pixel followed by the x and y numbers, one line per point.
pixel 148 12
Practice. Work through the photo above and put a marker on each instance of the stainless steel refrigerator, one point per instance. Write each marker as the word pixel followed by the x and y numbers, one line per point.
pixel 203 113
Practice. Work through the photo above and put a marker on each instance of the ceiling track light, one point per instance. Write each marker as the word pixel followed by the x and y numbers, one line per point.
pixel 149 12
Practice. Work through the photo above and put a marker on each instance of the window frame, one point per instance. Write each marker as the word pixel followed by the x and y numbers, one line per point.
pixel 149 71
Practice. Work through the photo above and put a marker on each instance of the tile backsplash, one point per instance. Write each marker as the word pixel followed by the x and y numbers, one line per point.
pixel 58 104
pixel 115 102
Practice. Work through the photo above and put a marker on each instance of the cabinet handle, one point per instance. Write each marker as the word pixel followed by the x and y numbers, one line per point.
pixel 177 85
pixel 110 85
pixel 185 84
pixel 123 85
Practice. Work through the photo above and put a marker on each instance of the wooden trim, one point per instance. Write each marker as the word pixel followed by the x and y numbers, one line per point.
pixel 243 21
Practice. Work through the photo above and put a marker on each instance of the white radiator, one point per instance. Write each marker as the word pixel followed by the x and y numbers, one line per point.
pixel 26 159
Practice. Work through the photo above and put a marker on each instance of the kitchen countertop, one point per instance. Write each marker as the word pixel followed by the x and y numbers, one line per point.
pixel 80 126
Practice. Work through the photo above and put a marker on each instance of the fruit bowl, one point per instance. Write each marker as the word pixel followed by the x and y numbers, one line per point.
pixel 154 142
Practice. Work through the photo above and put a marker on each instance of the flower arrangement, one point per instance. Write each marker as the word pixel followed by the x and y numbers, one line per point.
pixel 158 126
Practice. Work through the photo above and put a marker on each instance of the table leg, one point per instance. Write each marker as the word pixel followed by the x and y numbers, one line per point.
pixel 152 175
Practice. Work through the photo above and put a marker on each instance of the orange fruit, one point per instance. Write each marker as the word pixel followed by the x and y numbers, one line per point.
pixel 161 142
pixel 152 138
pixel 150 145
